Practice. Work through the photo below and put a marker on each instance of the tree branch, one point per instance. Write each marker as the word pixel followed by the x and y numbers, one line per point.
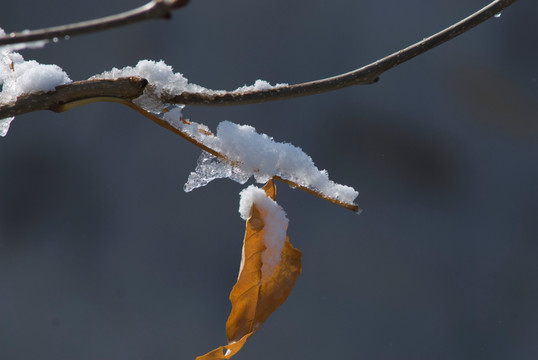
pixel 155 9
pixel 75 94
pixel 165 124
pixel 120 88
pixel 365 75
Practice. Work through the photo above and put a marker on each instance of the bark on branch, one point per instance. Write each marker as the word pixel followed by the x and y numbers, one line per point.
pixel 75 94
pixel 81 92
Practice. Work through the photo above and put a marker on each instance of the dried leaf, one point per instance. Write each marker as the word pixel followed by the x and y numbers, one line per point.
pixel 255 297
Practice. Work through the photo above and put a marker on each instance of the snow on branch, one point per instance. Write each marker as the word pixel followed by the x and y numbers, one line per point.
pixel 238 152
pixel 154 90
pixel 113 88
pixel 244 153
pixel 155 9
pixel 235 152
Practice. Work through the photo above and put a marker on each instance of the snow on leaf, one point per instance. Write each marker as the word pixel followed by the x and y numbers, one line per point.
pixel 260 289
pixel 4 125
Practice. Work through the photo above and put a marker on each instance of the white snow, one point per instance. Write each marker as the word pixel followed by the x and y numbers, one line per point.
pixel 259 85
pixel 4 125
pixel 19 77
pixel 29 77
pixel 161 78
pixel 260 156
pixel 275 225
pixel 246 152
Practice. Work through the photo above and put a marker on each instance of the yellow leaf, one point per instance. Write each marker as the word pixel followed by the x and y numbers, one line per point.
pixel 255 297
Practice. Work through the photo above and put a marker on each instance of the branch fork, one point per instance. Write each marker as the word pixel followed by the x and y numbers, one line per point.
pixel 125 90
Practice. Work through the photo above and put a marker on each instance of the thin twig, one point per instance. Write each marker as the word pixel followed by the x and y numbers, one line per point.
pixel 155 9
pixel 185 135
pixel 365 75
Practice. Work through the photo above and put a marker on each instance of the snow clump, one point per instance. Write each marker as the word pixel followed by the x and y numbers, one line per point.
pixel 259 85
pixel 19 77
pixel 252 154
pixel 161 79
pixel 275 225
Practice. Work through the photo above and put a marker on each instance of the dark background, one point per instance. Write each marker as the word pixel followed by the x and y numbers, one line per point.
pixel 103 256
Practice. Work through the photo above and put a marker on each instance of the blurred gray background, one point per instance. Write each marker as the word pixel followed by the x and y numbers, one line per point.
pixel 103 256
